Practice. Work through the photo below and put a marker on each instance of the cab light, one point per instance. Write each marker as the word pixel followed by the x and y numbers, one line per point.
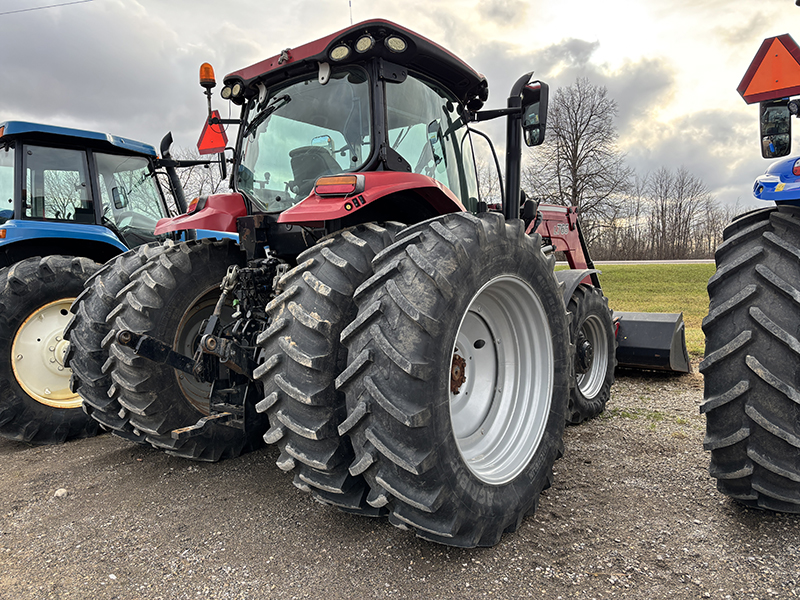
pixel 337 185
pixel 340 53
pixel 396 44
pixel 207 79
pixel 2 234
pixel 193 205
pixel 225 93
pixel 364 43
pixel 2 130
pixel 795 168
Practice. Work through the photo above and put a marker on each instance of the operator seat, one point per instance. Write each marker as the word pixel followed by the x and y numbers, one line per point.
pixel 308 164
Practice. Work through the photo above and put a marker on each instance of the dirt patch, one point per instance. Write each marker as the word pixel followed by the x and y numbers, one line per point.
pixel 632 514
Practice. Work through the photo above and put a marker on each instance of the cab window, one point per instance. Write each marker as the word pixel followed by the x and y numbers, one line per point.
pixel 6 183
pixel 57 185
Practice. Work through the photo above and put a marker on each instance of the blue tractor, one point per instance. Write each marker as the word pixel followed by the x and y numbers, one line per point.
pixel 752 362
pixel 70 200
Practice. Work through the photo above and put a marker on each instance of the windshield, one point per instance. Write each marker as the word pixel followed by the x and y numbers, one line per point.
pixel 301 132
pixel 132 201
pixel 426 130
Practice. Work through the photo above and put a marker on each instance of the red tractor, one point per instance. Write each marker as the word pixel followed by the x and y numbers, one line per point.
pixel 411 353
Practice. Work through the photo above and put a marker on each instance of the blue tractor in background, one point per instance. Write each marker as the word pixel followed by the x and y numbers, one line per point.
pixel 751 367
pixel 70 200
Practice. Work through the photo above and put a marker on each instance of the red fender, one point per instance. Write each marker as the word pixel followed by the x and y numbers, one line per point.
pixel 217 213
pixel 376 185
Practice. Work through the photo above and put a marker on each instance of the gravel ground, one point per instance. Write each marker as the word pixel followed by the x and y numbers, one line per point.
pixel 632 514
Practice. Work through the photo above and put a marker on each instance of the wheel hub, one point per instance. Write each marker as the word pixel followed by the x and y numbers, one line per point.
pixel 457 374
pixel 38 352
pixel 584 354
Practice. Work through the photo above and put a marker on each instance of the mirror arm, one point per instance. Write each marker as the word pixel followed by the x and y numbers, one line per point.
pixel 487 115
pixel 215 121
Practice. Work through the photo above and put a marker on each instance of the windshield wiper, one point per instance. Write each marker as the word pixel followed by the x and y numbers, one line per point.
pixel 264 114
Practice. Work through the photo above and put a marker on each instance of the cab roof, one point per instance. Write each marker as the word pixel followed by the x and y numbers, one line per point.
pixel 421 55
pixel 51 133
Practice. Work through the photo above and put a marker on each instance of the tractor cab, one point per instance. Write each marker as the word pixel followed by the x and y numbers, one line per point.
pixel 57 182
pixel 371 123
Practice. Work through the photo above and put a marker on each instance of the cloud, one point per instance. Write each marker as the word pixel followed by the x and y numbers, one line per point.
pixel 721 149
pixel 503 12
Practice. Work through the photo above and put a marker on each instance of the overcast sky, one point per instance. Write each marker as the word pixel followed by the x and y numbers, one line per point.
pixel 130 67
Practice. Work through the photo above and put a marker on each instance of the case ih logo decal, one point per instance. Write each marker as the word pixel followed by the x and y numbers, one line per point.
pixel 354 203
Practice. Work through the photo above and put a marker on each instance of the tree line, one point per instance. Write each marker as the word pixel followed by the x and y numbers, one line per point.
pixel 668 214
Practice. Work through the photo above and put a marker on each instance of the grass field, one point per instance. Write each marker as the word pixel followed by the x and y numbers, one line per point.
pixel 662 288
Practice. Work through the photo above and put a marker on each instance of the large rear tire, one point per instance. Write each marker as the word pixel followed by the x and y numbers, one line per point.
pixel 458 378
pixel 168 298
pixel 88 333
pixel 36 403
pixel 752 396
pixel 592 334
pixel 303 356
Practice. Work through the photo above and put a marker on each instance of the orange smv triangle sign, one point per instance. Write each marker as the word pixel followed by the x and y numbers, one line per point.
pixel 213 140
pixel 774 72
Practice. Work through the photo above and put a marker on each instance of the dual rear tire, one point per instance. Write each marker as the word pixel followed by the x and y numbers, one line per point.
pixel 457 379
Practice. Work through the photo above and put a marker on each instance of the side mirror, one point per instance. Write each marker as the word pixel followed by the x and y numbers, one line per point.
pixel 776 128
pixel 535 97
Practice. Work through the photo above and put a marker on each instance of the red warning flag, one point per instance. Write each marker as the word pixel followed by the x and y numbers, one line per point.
pixel 213 140
pixel 774 72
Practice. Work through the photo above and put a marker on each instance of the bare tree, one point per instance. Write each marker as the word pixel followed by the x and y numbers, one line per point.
pixel 678 202
pixel 199 180
pixel 489 183
pixel 579 163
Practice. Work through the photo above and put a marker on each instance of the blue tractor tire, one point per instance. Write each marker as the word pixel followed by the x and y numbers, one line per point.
pixel 36 404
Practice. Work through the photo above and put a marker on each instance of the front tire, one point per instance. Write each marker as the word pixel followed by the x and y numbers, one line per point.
pixel 592 334
pixel 752 396
pixel 36 403
pixel 458 378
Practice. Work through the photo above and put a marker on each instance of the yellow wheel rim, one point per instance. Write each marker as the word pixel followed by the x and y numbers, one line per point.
pixel 38 352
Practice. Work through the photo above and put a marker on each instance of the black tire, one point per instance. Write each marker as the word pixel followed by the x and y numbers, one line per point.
pixel 36 405
pixel 88 333
pixel 303 356
pixel 592 334
pixel 752 359
pixel 167 298
pixel 438 293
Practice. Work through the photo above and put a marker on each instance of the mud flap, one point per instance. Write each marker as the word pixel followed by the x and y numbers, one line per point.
pixel 651 341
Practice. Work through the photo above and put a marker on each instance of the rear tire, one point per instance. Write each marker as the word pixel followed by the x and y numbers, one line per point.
pixel 88 333
pixel 592 334
pixel 752 359
pixel 168 298
pixel 36 404
pixel 458 378
pixel 303 356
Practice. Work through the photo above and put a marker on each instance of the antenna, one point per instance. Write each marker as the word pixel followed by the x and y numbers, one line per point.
pixel 350 3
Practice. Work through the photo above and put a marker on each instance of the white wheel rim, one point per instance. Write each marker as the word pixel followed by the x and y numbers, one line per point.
pixel 591 382
pixel 37 356
pixel 499 410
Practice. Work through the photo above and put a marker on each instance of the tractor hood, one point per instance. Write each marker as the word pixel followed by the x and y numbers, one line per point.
pixel 781 182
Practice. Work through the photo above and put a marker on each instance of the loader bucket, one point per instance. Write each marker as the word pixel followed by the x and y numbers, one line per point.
pixel 651 341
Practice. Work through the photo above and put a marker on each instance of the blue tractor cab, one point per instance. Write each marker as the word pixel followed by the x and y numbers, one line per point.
pixel 70 200
pixel 76 192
